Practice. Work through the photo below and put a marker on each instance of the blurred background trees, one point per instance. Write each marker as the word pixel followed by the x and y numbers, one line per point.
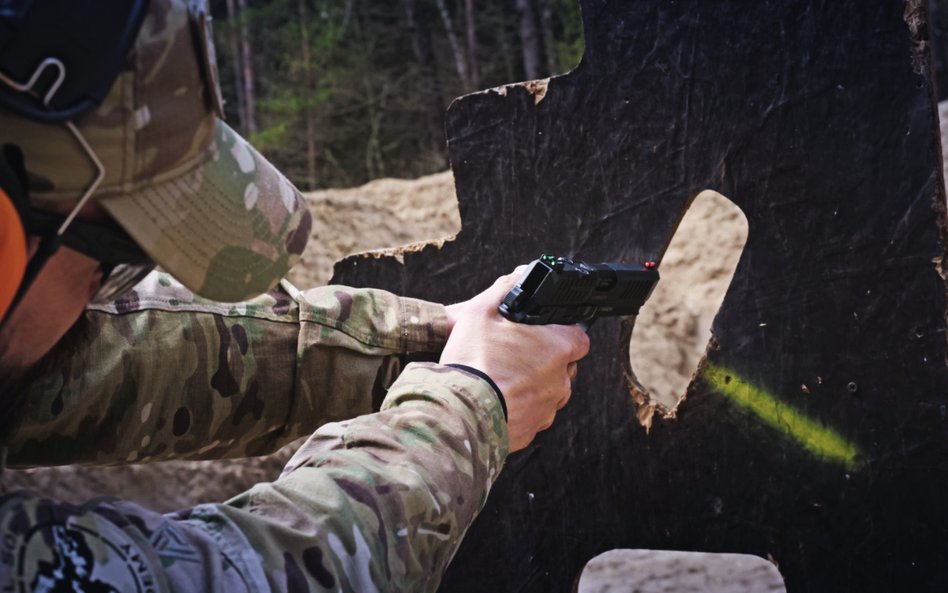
pixel 338 92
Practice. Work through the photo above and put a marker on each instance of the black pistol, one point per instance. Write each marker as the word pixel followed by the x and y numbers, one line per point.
pixel 558 290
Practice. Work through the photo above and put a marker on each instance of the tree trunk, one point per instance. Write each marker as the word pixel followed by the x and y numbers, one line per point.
pixel 309 75
pixel 460 61
pixel 374 161
pixel 234 44
pixel 507 42
pixel 430 80
pixel 546 26
pixel 246 54
pixel 471 34
pixel 529 40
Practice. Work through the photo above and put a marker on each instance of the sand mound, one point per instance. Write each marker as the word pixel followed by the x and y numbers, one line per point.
pixel 382 213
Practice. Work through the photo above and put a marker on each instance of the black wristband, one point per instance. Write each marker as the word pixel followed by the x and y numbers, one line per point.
pixel 484 376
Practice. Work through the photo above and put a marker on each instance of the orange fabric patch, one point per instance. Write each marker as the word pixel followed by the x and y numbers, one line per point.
pixel 12 252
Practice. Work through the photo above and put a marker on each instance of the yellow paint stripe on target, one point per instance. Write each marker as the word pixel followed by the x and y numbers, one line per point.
pixel 818 439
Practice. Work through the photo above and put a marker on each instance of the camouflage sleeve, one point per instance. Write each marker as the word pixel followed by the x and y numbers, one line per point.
pixel 378 503
pixel 163 374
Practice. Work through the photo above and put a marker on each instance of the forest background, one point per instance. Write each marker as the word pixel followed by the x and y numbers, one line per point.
pixel 338 92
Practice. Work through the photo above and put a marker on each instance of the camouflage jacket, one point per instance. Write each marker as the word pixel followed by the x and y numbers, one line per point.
pixel 377 503
pixel 164 374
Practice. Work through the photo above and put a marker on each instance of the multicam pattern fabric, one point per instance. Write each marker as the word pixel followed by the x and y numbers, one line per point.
pixel 376 503
pixel 166 374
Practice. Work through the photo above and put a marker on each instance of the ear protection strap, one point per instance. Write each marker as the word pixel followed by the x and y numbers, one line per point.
pixel 59 58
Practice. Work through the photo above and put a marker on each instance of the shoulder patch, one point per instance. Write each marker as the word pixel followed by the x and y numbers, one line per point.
pixel 52 547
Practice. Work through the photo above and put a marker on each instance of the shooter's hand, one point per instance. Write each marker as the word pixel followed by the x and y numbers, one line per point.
pixel 532 365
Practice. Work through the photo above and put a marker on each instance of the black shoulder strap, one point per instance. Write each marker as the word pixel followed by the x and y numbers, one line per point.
pixel 13 178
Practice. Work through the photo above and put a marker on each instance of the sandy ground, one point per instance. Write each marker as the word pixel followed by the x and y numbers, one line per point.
pixel 669 338
pixel 673 329
pixel 653 571
pixel 382 213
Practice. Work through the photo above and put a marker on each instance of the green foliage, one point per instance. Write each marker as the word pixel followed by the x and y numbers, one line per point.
pixel 568 44
pixel 345 79
pixel 272 137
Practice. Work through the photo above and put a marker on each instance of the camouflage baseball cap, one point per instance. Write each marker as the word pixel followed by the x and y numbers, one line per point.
pixel 189 190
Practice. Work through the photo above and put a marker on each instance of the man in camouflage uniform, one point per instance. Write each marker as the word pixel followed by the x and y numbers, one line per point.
pixel 376 503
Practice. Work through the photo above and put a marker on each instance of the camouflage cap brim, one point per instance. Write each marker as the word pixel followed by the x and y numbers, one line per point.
pixel 229 229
